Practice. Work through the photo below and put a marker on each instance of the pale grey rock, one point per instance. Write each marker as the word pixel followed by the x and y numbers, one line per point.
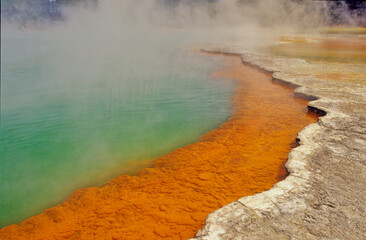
pixel 324 197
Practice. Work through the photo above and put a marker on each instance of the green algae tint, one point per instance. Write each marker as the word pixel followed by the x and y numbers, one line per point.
pixel 73 118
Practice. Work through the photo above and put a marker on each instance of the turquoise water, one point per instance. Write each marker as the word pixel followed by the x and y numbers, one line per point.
pixel 77 114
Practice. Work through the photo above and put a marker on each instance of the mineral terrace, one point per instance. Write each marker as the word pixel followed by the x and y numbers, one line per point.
pixel 324 197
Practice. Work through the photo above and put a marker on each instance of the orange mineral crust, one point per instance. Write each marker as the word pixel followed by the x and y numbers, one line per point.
pixel 171 200
pixel 336 50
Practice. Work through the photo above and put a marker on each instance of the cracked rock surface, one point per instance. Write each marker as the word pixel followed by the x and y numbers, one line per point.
pixel 324 197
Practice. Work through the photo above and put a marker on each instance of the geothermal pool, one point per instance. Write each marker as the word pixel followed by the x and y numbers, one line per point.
pixel 171 200
pixel 78 115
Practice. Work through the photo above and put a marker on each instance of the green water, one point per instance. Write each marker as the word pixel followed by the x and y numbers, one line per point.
pixel 74 114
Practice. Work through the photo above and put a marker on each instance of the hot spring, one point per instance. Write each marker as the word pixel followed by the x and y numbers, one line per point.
pixel 77 111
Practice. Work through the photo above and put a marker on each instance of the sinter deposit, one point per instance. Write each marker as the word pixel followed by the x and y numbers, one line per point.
pixel 324 196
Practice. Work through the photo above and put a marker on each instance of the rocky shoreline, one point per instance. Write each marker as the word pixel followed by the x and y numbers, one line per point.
pixel 324 196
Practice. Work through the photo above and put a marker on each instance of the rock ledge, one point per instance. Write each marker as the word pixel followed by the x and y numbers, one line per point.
pixel 325 194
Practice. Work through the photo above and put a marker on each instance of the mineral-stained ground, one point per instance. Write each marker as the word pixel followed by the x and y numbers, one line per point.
pixel 324 196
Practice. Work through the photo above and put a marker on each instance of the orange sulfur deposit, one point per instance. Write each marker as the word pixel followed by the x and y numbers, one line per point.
pixel 171 200
pixel 323 49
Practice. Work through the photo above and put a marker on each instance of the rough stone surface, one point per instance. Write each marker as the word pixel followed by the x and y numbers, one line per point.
pixel 324 197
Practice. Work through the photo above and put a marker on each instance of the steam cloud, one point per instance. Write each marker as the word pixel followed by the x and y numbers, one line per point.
pixel 186 13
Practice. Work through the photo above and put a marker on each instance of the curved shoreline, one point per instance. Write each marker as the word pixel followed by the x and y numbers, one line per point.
pixel 226 168
pixel 324 194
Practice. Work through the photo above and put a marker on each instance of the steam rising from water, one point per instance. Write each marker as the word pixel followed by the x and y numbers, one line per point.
pixel 115 20
pixel 115 83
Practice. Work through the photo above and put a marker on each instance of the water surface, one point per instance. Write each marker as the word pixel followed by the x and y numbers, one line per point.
pixel 74 116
